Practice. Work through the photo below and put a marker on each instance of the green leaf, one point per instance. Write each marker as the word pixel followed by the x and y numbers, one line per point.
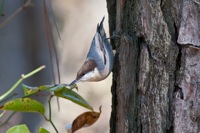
pixel 43 130
pixel 73 96
pixel 57 87
pixel 28 90
pixel 60 87
pixel 18 129
pixel 24 105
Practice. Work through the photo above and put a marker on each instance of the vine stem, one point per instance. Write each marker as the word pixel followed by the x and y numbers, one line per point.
pixel 19 81
pixel 50 120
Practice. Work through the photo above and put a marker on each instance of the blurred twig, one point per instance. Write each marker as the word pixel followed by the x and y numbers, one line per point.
pixel 49 35
pixel 8 119
pixel 47 25
pixel 55 21
pixel 27 4
pixel 1 8
pixel 196 2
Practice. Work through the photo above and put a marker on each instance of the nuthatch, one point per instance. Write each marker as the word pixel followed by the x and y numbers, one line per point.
pixel 99 61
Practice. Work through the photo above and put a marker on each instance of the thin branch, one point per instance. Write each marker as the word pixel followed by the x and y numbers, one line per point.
pixel 33 72
pixel 12 16
pixel 55 21
pixel 56 55
pixel 8 119
pixel 2 113
pixel 49 29
pixel 19 81
pixel 48 38
pixel 53 42
pixel 8 97
pixel 50 120
pixel 196 2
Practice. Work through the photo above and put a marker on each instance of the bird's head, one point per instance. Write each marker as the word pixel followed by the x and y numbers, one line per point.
pixel 86 72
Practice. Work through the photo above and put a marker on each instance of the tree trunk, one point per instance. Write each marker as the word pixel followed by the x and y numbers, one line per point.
pixel 157 66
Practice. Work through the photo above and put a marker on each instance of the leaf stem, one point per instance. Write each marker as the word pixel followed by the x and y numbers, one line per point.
pixel 19 81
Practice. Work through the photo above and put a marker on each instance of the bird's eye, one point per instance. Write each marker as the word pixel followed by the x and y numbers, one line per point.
pixel 83 74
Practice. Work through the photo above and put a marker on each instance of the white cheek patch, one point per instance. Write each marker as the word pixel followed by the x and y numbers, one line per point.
pixel 91 76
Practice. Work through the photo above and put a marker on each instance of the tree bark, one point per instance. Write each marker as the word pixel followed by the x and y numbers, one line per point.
pixel 157 66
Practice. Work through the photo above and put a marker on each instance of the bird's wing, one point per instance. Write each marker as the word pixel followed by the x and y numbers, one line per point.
pixel 97 51
pixel 102 48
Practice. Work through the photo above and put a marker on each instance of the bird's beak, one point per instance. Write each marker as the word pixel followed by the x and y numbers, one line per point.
pixel 73 82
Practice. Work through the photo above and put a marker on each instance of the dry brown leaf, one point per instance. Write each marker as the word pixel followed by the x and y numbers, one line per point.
pixel 86 119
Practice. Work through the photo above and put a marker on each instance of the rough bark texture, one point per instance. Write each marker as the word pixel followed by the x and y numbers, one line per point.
pixel 157 66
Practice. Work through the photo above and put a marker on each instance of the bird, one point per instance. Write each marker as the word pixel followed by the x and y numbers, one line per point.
pixel 99 61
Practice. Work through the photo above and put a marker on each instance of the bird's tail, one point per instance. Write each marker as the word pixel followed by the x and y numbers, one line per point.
pixel 100 28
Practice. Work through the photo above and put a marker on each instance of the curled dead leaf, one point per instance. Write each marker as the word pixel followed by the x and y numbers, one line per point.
pixel 86 119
